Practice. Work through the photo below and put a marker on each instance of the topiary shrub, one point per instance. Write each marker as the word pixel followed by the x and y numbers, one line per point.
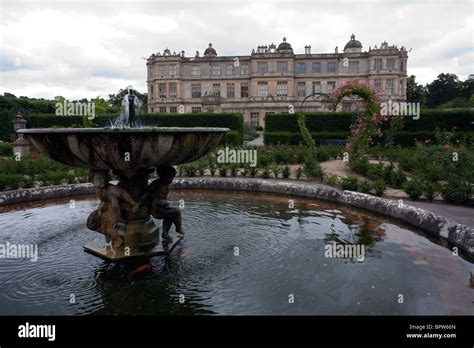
pixel 456 190
pixel 350 183
pixel 413 188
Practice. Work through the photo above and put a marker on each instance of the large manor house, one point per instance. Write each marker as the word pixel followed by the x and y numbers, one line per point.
pixel 272 79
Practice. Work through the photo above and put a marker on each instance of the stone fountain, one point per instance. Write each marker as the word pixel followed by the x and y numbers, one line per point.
pixel 128 210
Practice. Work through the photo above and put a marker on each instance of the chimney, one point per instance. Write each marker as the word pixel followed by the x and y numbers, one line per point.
pixel 307 49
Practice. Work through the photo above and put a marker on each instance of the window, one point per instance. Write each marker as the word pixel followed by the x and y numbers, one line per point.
pixel 317 67
pixel 161 70
pixel 390 63
pixel 229 69
pixel 354 66
pixel 151 110
pixel 173 109
pixel 301 67
pixel 244 69
pixel 316 87
pixel 151 92
pixel 196 90
pixel 400 87
pixel 331 67
pixel 195 71
pixel 301 89
pixel 282 88
pixel 244 90
pixel 216 70
pixel 330 86
pixel 378 64
pixel 262 89
pixel 378 84
pixel 401 65
pixel 172 90
pixel 262 68
pixel 282 67
pixel 389 87
pixel 163 109
pixel 216 89
pixel 196 109
pixel 173 70
pixel 254 119
pixel 162 90
pixel 230 90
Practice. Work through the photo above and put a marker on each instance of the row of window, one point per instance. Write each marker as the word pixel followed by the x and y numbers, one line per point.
pixel 174 109
pixel 389 64
pixel 282 67
pixel 262 89
pixel 196 90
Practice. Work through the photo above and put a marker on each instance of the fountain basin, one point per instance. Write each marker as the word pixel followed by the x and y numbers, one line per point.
pixel 124 148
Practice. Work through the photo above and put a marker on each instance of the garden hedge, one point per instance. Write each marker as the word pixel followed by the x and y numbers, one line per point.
pixel 233 121
pixel 283 128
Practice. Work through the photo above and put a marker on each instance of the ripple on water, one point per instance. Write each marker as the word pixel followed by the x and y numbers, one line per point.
pixel 243 254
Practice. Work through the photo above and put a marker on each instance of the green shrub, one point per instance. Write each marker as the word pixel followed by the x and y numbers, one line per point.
pixel 299 172
pixel 379 187
pixel 253 171
pixel 359 164
pixel 376 171
pixel 413 188
pixel 397 178
pixel 313 169
pixel 456 190
pixel 266 173
pixel 9 181
pixel 430 189
pixel 365 186
pixel 190 170
pixel 350 183
pixel 223 170
pixel 212 165
pixel 234 169
pixel 286 172
pixel 275 171
pixel 333 180
pixel 6 149
pixel 201 167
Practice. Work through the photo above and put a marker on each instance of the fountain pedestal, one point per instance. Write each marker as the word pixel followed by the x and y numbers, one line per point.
pixel 123 215
pixel 105 250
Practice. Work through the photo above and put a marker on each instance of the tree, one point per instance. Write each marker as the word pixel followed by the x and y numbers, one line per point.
pixel 415 93
pixel 445 88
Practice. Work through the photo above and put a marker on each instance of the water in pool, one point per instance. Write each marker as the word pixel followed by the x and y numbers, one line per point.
pixel 243 254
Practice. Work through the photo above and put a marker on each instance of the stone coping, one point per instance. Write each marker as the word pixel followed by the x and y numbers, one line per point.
pixel 459 235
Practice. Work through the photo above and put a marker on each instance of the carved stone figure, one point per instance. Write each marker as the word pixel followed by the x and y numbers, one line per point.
pixel 156 200
pixel 105 217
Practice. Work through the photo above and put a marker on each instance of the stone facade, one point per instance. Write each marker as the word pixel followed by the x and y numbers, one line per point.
pixel 272 79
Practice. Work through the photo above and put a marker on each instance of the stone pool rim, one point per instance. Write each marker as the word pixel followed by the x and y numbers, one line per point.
pixel 457 234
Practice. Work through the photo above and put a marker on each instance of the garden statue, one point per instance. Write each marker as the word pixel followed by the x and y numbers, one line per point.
pixel 105 218
pixel 155 199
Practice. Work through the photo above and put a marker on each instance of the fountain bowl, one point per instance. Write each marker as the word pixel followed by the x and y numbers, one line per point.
pixel 124 148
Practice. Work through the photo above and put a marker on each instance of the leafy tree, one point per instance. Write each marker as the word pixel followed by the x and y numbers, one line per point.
pixel 445 88
pixel 415 92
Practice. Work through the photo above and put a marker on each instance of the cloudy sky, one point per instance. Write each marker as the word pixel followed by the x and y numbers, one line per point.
pixel 93 48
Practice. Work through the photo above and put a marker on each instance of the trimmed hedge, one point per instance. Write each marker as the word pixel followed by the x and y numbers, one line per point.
pixel 233 121
pixel 315 122
pixel 292 138
pixel 444 120
pixel 283 128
